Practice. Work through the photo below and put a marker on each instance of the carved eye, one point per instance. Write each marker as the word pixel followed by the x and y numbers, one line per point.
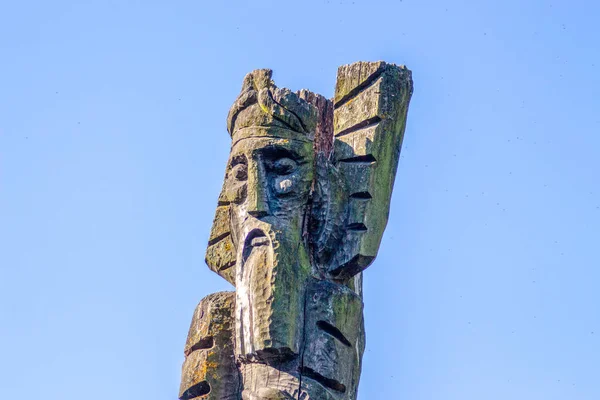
pixel 240 172
pixel 284 166
pixel 284 185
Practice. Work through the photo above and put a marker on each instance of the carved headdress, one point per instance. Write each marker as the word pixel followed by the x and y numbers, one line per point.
pixel 262 105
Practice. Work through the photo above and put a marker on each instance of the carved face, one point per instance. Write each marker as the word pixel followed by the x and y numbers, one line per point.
pixel 258 241
pixel 269 178
pixel 268 186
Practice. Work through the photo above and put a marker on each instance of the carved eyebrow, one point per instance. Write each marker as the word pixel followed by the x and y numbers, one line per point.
pixel 276 151
pixel 239 159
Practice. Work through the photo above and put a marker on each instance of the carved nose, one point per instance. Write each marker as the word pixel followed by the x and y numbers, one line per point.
pixel 257 204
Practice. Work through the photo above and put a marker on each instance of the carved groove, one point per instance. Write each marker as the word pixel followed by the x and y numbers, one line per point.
pixel 327 382
pixel 357 226
pixel 199 389
pixel 361 195
pixel 227 266
pixel 333 331
pixel 352 267
pixel 368 82
pixel 204 343
pixel 367 123
pixel 218 238
pixel 367 159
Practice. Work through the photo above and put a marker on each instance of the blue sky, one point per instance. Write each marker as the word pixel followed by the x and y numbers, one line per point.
pixel 112 150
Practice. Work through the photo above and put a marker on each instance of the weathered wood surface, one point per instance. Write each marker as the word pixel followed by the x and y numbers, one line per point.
pixel 209 369
pixel 304 204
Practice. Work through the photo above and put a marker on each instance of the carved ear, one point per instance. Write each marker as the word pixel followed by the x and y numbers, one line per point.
pixel 370 106
pixel 220 253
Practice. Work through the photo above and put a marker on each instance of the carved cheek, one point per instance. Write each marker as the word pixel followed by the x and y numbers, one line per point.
pixel 236 192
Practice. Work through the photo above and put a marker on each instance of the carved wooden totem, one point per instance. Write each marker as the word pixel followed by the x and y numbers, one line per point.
pixel 302 212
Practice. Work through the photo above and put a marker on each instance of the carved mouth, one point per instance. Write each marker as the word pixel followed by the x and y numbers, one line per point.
pixel 256 238
pixel 259 241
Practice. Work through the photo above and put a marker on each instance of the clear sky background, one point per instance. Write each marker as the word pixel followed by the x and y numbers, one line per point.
pixel 112 151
